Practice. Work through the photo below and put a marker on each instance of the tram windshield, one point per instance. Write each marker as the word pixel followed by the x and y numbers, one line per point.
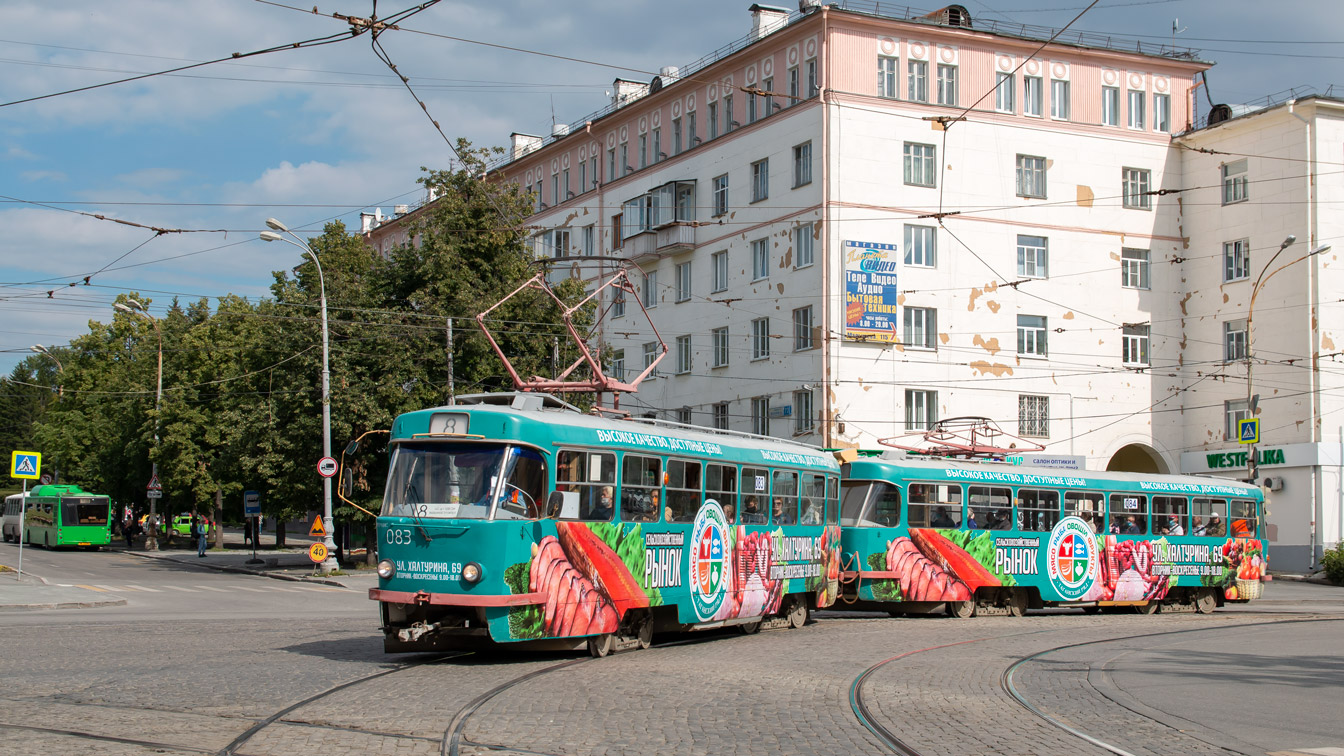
pixel 464 482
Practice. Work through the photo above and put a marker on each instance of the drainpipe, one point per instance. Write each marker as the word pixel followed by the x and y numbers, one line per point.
pixel 1313 397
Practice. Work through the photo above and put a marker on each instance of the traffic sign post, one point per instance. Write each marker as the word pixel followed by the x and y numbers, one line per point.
pixel 252 511
pixel 317 553
pixel 27 466
pixel 1248 431
pixel 317 529
pixel 326 467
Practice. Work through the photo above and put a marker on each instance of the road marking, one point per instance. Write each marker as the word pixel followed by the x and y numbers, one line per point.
pixel 92 588
pixel 285 590
pixel 245 588
pixel 64 585
pixel 216 590
pixel 322 588
pixel 180 588
pixel 111 588
pixel 142 588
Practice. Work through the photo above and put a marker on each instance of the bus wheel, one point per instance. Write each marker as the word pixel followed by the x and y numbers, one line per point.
pixel 1206 602
pixel 961 609
pixel 797 613
pixel 600 645
pixel 1149 608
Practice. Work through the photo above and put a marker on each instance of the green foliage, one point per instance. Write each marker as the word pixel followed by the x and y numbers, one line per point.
pixel 981 548
pixel 884 589
pixel 1333 561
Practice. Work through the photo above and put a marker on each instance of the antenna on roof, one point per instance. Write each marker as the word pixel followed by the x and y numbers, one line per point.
pixel 1175 23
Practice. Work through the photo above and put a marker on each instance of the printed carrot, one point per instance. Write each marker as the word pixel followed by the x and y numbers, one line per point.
pixel 952 558
pixel 595 559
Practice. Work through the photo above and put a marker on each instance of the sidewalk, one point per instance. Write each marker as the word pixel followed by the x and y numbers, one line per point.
pixel 35 593
pixel 284 564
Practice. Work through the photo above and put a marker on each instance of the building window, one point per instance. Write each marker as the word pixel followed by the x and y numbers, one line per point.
pixel 1235 181
pixel 803 421
pixel 618 364
pixel 676 136
pixel 650 354
pixel 751 108
pixel 583 176
pixel 1033 256
pixel 802 329
pixel 555 189
pixel 760 259
pixel 658 145
pixel 720 338
pixel 683 354
pixel 592 169
pixel 691 138
pixel 1110 106
pixel 947 85
pixel 919 164
pixel 1033 416
pixel 921 409
pixel 721 415
pixel 760 180
pixel 802 164
pixel 802 245
pixel 1234 412
pixel 589 240
pixel 1236 259
pixel 537 204
pixel 812 88
pixel 728 122
pixel 1162 113
pixel 921 247
pixel 1136 115
pixel 760 338
pixel 1030 176
pixel 643 151
pixel 1059 99
pixel 617 303
pixel 1136 184
pixel 719 260
pixel 769 86
pixel 616 237
pixel 625 158
pixel 1031 330
pixel 683 281
pixel 886 76
pixel 1033 96
pixel 560 242
pixel 760 415
pixel 1134 266
pixel 1004 92
pixel 793 86
pixel 650 293
pixel 917 81
pixel 684 416
pixel 1234 340
pixel 1134 348
pixel 721 195
pixel 921 327
pixel 713 120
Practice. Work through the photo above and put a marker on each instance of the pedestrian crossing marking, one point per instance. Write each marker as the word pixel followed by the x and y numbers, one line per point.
pixel 180 588
pixel 245 588
pixel 91 588
pixel 208 588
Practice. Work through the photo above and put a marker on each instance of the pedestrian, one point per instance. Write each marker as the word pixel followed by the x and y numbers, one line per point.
pixel 198 535
pixel 247 530
pixel 129 531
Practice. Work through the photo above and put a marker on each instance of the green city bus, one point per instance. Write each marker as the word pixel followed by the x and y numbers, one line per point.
pixel 67 515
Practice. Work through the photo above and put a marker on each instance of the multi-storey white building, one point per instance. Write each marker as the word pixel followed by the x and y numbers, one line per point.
pixel 848 225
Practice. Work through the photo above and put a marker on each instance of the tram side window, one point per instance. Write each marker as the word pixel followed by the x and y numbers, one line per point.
pixel 933 505
pixel 1129 514
pixel 1210 516
pixel 1241 515
pixel 991 508
pixel 832 500
pixel 1037 509
pixel 1169 514
pixel 683 490
pixel 814 499
pixel 524 486
pixel 721 486
pixel 590 477
pixel 784 498
pixel 755 491
pixel 853 495
pixel 1088 506
pixel 641 488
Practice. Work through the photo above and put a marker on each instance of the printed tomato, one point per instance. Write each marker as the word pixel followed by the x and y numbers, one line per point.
pixel 1231 593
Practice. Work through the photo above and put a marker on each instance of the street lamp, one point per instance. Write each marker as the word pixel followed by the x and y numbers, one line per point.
pixel 60 390
pixel 1252 467
pixel 329 564
pixel 138 308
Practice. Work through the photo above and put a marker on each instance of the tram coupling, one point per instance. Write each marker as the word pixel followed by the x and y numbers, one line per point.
pixel 417 631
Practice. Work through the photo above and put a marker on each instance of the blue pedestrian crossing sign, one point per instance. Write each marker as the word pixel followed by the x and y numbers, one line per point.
pixel 1248 431
pixel 25 464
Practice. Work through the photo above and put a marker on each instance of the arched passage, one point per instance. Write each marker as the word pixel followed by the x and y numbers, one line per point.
pixel 1139 458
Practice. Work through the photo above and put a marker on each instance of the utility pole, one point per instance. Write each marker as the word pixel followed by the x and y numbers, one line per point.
pixel 451 394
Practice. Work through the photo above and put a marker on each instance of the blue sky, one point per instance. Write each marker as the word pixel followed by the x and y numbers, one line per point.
pixel 323 133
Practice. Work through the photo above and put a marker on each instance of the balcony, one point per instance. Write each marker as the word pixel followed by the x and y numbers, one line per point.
pixel 679 237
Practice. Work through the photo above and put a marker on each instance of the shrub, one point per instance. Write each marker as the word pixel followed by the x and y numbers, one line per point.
pixel 1333 560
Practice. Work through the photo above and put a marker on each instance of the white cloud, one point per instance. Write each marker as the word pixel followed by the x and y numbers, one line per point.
pixel 35 176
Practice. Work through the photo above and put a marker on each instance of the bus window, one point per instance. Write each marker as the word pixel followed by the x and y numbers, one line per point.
pixel 1037 509
pixel 784 497
pixel 1088 506
pixel 1169 515
pixel 1241 514
pixel 934 505
pixel 991 508
pixel 1129 514
pixel 814 499
pixel 755 490
pixel 721 486
pixel 832 500
pixel 1209 516
pixel 683 490
pixel 591 478
pixel 641 486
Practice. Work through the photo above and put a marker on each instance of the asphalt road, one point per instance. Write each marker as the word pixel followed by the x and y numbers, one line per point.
pixel 203 662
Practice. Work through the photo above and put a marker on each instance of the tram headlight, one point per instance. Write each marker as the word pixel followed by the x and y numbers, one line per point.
pixel 386 569
pixel 471 572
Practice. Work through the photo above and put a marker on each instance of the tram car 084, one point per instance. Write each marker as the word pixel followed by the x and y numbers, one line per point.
pixel 517 520
pixel 971 537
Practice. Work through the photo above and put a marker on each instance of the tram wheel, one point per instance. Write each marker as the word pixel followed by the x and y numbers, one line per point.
pixel 601 645
pixel 797 613
pixel 1091 610
pixel 1206 602
pixel 961 609
pixel 646 633
pixel 750 628
pixel 1017 603
pixel 1149 608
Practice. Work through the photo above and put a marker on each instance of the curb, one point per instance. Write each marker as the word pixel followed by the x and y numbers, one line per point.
pixel 244 571
pixel 62 605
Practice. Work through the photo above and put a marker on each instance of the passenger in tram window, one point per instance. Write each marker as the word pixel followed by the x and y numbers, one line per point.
pixel 729 513
pixel 602 508
pixel 1174 525
pixel 782 517
pixel 751 512
pixel 1198 529
pixel 1131 527
pixel 970 520
pixel 810 514
pixel 941 519
pixel 1215 527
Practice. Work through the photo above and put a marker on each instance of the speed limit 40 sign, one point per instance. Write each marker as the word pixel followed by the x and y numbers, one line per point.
pixel 326 467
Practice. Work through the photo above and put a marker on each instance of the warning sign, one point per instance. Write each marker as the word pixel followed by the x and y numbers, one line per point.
pixel 317 529
pixel 25 464
pixel 317 553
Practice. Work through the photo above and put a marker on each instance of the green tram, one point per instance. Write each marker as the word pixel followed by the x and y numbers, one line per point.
pixel 518 519
pixel 59 516
pixel 987 537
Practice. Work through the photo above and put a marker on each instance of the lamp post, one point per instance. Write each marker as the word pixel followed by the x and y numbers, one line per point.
pixel 138 308
pixel 1252 466
pixel 329 564
pixel 60 369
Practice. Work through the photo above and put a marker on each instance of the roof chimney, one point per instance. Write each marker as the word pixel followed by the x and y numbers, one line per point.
pixel 766 19
pixel 624 90
pixel 523 144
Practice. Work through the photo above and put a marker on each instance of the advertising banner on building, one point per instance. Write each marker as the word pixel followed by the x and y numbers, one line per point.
pixel 871 311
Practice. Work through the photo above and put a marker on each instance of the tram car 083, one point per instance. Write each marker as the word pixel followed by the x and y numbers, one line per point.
pixel 971 537
pixel 517 520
